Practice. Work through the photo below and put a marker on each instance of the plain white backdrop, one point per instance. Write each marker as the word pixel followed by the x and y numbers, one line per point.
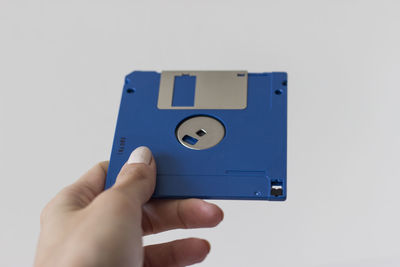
pixel 62 66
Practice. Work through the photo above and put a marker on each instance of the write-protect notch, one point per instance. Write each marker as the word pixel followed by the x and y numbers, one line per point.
pixel 212 90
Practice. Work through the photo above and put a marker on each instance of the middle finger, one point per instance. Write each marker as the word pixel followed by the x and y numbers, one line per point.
pixel 162 215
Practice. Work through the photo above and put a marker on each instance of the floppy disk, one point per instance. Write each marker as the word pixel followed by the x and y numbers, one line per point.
pixel 214 134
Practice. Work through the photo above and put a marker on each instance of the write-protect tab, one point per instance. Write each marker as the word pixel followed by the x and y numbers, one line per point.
pixel 184 91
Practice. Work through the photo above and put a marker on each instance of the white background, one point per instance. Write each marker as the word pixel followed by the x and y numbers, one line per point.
pixel 62 67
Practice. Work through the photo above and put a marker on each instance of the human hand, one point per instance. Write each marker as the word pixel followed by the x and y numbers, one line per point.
pixel 84 226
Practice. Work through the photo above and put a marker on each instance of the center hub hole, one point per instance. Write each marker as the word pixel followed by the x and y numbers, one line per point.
pixel 201 132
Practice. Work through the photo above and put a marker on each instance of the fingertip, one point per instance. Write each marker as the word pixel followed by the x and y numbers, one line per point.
pixel 211 211
pixel 200 247
pixel 204 250
pixel 181 252
pixel 104 165
pixel 208 246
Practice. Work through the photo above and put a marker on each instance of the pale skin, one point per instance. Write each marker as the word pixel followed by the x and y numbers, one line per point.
pixel 85 226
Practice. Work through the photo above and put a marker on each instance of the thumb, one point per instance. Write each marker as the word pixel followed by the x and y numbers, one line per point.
pixel 137 177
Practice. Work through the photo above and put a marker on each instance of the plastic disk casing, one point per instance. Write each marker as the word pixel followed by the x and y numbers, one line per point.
pixel 213 134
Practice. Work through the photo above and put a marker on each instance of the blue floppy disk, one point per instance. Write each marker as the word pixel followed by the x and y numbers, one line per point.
pixel 214 134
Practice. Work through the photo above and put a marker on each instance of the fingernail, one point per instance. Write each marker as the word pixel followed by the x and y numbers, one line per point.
pixel 141 154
